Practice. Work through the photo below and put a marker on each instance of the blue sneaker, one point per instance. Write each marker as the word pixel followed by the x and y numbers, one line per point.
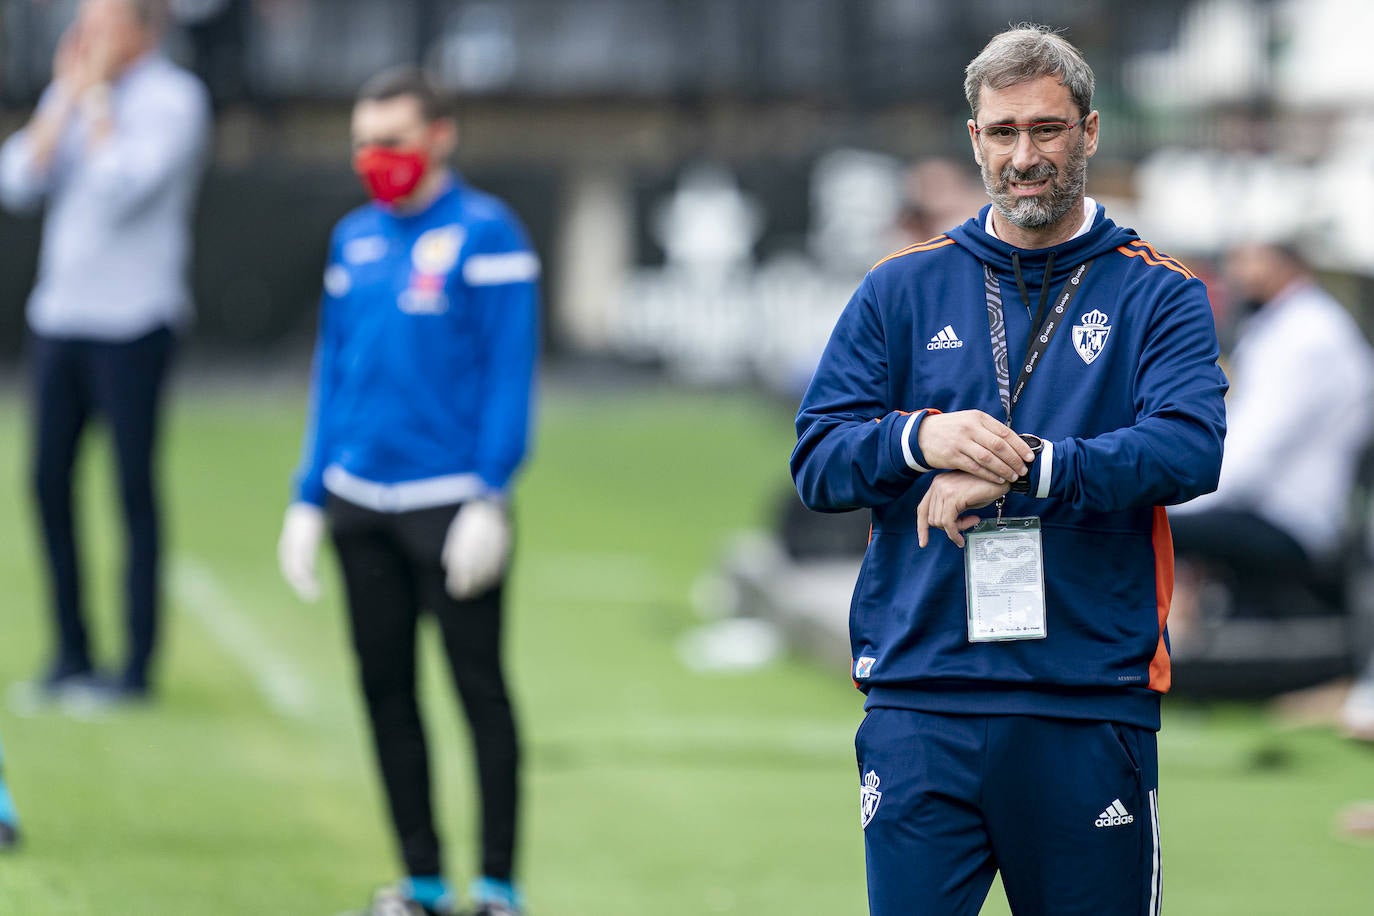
pixel 9 818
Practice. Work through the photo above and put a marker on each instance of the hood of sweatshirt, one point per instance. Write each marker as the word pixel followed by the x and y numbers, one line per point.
pixel 1025 267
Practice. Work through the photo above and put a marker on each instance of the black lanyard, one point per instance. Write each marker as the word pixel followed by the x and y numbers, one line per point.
pixel 1043 331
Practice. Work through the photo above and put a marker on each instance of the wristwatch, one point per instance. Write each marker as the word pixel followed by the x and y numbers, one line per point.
pixel 1037 445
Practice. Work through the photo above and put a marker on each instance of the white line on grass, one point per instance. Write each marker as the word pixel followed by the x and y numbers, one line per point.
pixel 205 597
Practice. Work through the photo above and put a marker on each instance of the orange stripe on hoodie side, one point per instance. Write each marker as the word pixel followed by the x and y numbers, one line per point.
pixel 1161 674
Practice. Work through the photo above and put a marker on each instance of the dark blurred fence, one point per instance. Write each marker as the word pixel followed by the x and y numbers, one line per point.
pixel 858 51
pixel 554 90
pixel 260 238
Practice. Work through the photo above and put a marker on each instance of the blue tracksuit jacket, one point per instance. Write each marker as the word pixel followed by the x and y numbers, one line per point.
pixel 426 354
pixel 1134 421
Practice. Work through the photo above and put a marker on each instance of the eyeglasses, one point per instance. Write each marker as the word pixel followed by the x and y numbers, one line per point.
pixel 1047 136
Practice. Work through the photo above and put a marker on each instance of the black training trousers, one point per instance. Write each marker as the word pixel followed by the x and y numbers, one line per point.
pixel 392 571
pixel 75 381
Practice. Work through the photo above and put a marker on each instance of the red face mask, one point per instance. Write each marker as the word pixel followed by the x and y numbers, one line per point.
pixel 390 174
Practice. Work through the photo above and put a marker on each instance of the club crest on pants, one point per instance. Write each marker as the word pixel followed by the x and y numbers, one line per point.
pixel 869 796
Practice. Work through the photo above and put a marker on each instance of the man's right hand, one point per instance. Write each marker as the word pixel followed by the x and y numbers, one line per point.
pixel 72 65
pixel 973 442
pixel 299 546
pixel 76 70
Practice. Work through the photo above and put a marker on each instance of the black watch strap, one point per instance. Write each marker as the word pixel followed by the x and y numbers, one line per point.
pixel 1037 445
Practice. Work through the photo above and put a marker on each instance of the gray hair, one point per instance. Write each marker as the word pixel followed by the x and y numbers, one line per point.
pixel 1026 52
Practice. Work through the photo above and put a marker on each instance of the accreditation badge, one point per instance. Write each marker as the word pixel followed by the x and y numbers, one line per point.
pixel 1004 569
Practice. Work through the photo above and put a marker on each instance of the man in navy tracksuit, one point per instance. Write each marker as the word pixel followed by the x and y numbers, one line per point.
pixel 1014 685
pixel 418 423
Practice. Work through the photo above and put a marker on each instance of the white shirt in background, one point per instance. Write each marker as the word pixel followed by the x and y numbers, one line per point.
pixel 117 238
pixel 1300 411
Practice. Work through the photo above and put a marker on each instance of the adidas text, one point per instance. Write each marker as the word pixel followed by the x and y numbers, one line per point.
pixel 1116 815
pixel 945 340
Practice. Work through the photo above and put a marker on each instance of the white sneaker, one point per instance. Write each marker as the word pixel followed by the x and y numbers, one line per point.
pixel 1357 713
pixel 389 901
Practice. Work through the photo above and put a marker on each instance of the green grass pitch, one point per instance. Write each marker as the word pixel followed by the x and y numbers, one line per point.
pixel 650 790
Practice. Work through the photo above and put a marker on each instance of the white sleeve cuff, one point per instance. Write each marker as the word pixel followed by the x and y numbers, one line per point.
pixel 1042 490
pixel 906 442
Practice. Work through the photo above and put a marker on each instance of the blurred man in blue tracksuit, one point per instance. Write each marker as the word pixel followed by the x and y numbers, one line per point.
pixel 418 422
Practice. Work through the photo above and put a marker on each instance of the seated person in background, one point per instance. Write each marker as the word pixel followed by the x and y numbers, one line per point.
pixel 1298 415
pixel 938 194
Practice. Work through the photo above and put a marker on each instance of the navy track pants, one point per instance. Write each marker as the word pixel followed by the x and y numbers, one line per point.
pixel 1066 810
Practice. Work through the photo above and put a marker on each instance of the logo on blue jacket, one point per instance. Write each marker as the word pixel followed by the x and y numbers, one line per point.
pixel 436 251
pixel 434 256
pixel 1090 337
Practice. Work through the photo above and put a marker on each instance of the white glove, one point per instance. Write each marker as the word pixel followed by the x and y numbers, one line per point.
pixel 476 548
pixel 299 546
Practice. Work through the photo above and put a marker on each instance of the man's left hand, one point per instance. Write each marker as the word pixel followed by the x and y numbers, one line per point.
pixel 951 494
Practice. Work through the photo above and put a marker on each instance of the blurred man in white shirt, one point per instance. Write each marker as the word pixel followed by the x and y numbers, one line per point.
pixel 114 150
pixel 1300 412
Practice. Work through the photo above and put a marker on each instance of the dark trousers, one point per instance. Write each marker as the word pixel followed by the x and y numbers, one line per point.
pixel 392 571
pixel 75 381
pixel 1241 541
pixel 1065 809
pixel 1259 562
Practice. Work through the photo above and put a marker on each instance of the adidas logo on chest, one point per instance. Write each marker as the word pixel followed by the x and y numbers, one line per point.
pixel 945 340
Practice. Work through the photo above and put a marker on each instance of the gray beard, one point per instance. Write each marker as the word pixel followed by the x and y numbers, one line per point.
pixel 1039 212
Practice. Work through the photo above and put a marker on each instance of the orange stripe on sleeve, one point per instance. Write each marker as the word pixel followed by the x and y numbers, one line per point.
pixel 940 241
pixel 1164 258
pixel 1144 256
pixel 1153 258
pixel 1161 673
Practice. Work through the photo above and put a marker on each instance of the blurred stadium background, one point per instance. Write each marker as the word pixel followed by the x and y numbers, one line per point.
pixel 706 181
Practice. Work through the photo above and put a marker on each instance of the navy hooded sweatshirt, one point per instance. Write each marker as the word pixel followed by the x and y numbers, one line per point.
pixel 1129 400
